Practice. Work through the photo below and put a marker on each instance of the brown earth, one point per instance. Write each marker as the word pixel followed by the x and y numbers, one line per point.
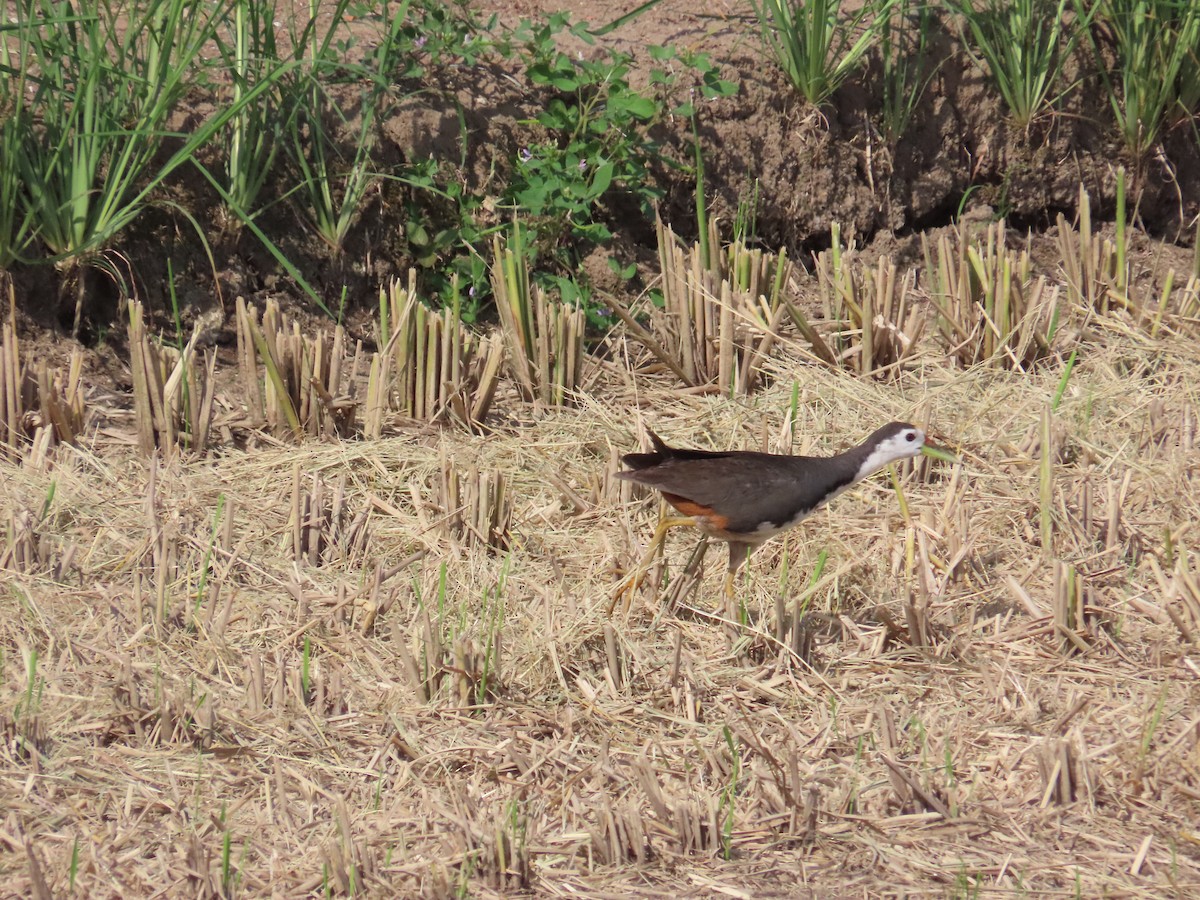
pixel 813 169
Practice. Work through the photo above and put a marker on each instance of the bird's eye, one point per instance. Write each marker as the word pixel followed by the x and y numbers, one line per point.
pixel 910 437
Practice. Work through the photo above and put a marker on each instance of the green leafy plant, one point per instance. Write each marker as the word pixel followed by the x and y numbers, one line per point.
pixel 1024 44
pixel 591 156
pixel 443 232
pixel 436 33
pixel 594 124
pixel 445 225
pixel 711 87
pixel 815 46
pixel 332 142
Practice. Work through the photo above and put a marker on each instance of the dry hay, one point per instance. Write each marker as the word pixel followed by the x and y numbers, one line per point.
pixel 414 714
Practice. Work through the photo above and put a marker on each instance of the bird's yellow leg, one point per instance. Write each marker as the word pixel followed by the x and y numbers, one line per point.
pixel 738 554
pixel 630 584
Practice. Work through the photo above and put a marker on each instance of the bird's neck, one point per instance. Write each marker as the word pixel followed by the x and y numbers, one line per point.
pixel 867 460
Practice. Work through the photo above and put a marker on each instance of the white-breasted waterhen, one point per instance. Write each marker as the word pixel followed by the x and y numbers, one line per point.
pixel 746 498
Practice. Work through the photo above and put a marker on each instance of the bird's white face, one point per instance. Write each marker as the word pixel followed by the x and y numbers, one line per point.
pixel 901 445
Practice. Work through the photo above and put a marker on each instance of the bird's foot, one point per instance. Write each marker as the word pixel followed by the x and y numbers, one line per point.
pixel 630 584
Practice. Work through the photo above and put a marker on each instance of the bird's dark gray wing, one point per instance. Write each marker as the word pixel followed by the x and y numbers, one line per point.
pixel 750 489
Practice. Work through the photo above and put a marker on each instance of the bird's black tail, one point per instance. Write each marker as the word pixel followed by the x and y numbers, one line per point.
pixel 663 453
pixel 660 455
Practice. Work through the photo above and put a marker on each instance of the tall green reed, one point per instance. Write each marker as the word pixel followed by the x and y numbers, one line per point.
pixel 330 149
pixel 249 56
pixel 15 225
pixel 907 69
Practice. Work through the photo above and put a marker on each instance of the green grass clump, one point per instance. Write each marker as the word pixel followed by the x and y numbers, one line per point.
pixel 331 142
pixel 1156 43
pixel 86 134
pixel 1024 44
pixel 15 223
pixel 109 79
pixel 815 46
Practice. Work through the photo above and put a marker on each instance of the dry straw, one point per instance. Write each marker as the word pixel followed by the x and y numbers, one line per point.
pixel 990 306
pixel 544 337
pixel 173 391
pixel 38 405
pixel 305 390
pixel 1090 263
pixel 953 697
pixel 880 323
pixel 718 324
pixel 1099 274
pixel 324 528
pixel 431 366
pixel 476 506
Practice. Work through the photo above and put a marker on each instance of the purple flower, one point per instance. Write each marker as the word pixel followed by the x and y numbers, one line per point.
pixel 583 165
pixel 526 154
pixel 420 42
